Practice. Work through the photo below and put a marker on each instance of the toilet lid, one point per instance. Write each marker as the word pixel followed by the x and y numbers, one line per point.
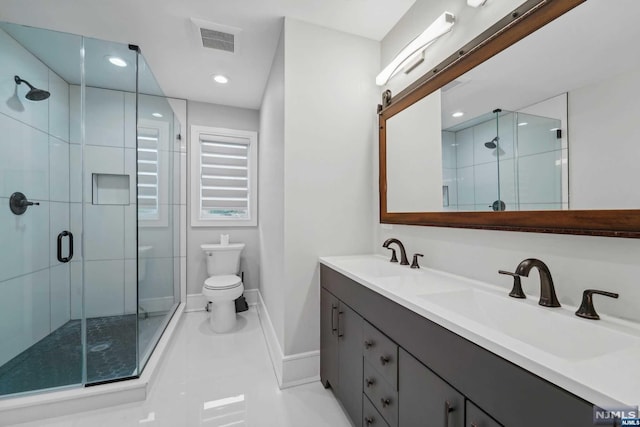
pixel 223 282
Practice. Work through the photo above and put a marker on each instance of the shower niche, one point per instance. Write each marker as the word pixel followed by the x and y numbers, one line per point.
pixel 94 144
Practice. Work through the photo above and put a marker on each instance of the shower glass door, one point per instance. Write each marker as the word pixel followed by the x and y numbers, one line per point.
pixel 40 213
pixel 91 204
pixel 68 211
pixel 107 99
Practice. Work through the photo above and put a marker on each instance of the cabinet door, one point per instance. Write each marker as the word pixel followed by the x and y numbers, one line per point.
pixel 476 417
pixel 329 307
pixel 350 361
pixel 424 399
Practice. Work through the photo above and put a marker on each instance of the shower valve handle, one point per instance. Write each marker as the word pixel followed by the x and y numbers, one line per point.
pixel 18 203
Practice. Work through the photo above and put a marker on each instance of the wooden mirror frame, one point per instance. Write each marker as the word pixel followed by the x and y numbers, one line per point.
pixel 527 18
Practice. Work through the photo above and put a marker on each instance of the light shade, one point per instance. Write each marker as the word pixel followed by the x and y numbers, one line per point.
pixel 440 26
pixel 476 3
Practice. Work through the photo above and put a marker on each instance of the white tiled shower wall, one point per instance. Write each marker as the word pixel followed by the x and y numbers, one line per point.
pixel 34 287
pixel 109 230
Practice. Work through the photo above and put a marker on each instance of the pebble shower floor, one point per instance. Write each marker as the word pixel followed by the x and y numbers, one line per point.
pixel 56 360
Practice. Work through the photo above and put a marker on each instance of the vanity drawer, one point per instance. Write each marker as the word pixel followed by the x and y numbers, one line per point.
pixel 370 415
pixel 382 394
pixel 382 353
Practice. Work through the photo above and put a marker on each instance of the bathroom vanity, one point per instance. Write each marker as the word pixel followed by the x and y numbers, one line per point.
pixel 403 347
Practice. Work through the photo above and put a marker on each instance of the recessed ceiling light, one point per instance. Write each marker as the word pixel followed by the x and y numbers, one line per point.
pixel 458 114
pixel 118 62
pixel 219 78
pixel 523 124
pixel 156 115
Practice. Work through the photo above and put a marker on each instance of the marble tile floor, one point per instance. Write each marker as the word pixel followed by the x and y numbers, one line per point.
pixel 222 380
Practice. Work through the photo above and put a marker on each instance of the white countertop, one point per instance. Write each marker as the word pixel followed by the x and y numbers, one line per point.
pixel 598 361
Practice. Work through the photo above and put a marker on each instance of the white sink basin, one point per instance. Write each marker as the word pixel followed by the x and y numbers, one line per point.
pixel 375 267
pixel 419 284
pixel 551 330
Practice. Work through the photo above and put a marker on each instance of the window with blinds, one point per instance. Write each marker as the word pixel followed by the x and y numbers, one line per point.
pixel 148 173
pixel 224 166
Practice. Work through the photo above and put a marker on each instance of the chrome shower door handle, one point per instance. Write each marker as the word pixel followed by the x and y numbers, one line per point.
pixel 62 235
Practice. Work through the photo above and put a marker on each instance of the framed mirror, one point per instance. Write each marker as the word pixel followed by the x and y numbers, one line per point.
pixel 532 126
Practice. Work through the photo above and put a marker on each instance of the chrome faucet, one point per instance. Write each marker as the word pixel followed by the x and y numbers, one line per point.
pixel 547 291
pixel 403 253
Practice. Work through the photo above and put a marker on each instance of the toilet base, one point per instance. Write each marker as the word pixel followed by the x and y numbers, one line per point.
pixel 222 316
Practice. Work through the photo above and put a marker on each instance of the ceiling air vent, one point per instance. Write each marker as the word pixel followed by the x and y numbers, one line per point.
pixel 217 40
pixel 217 36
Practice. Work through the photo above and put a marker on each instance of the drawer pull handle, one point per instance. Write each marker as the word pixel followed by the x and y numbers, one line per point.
pixel 447 410
pixel 340 330
pixel 385 359
pixel 368 344
pixel 369 420
pixel 385 402
pixel 370 381
pixel 333 327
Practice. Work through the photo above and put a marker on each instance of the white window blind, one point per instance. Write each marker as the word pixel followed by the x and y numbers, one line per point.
pixel 224 166
pixel 148 173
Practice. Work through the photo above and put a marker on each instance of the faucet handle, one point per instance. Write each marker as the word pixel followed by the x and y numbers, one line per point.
pixel 587 310
pixel 516 291
pixel 414 263
pixel 394 258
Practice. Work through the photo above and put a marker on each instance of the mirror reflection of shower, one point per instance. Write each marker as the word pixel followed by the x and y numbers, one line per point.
pixel 505 161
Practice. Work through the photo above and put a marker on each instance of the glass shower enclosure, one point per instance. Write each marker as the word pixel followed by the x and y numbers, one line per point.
pixel 90 205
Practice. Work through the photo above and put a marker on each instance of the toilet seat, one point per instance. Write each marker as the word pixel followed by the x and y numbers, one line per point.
pixel 228 281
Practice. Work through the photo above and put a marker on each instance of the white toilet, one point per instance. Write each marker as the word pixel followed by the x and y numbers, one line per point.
pixel 223 286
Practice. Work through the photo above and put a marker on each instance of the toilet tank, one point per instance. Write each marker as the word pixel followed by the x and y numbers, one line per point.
pixel 222 259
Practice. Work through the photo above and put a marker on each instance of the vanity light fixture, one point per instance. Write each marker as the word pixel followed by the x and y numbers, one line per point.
pixel 439 27
pixel 117 61
pixel 219 78
pixel 476 3
pixel 457 114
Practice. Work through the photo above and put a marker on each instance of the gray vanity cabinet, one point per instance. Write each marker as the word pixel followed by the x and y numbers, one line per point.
pixel 434 366
pixel 424 398
pixel 477 418
pixel 341 352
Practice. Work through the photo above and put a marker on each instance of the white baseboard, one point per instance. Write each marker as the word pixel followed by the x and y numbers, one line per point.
pixel 197 302
pixel 290 370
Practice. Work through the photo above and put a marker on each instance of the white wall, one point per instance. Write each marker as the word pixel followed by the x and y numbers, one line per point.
pixel 271 197
pixel 330 126
pixel 34 286
pixel 204 114
pixel 414 158
pixel 576 262
pixel 604 170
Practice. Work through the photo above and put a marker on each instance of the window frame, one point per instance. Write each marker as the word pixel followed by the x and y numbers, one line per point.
pixel 195 186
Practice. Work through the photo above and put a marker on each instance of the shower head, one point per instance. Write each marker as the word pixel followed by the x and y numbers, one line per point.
pixel 492 144
pixel 34 94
